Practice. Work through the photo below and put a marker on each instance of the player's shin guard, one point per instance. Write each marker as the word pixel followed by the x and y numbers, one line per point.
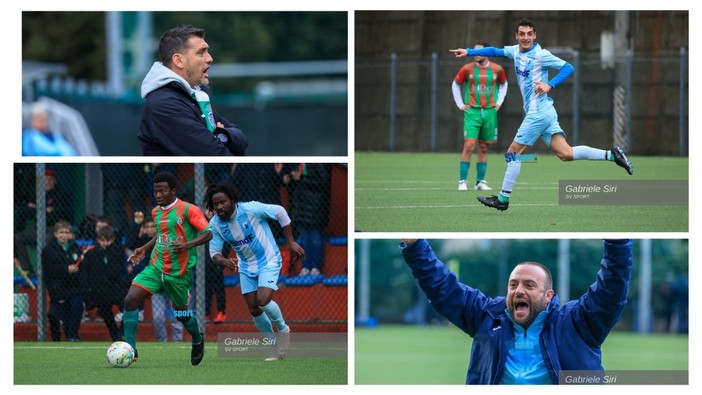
pixel 130 321
pixel 272 310
pixel 514 166
pixel 193 329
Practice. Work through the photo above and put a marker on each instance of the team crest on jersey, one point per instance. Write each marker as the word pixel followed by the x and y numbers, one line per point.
pixel 246 225
pixel 179 220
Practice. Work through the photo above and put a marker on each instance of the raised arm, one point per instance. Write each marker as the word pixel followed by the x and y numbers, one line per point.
pixel 603 303
pixel 485 51
pixel 462 305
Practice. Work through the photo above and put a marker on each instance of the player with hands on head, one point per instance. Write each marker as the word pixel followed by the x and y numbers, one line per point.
pixel 527 336
pixel 244 226
pixel 531 65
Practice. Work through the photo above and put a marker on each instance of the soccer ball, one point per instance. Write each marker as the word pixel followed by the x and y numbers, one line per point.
pixel 120 354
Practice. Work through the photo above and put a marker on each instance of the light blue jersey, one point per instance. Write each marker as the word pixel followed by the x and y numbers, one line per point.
pixel 532 67
pixel 525 362
pixel 250 236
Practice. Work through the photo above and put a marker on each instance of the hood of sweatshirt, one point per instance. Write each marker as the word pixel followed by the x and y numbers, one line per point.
pixel 160 75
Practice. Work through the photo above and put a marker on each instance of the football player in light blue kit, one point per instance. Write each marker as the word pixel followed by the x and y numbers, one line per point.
pixel 531 64
pixel 244 226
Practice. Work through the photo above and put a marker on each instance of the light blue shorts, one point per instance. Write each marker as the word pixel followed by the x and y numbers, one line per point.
pixel 268 277
pixel 542 124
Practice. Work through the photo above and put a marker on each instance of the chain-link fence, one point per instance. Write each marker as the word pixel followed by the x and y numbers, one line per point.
pixel 68 277
pixel 405 104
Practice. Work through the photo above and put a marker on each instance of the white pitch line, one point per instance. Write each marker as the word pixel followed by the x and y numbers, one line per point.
pixel 451 206
pixel 441 188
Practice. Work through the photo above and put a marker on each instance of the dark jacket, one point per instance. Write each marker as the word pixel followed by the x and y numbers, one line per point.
pixel 55 261
pixel 104 274
pixel 172 122
pixel 310 196
pixel 572 334
pixel 133 242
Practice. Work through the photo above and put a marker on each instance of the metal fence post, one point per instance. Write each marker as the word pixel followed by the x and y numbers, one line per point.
pixel 40 188
pixel 629 85
pixel 364 281
pixel 683 104
pixel 645 278
pixel 393 93
pixel 434 83
pixel 199 185
pixel 576 98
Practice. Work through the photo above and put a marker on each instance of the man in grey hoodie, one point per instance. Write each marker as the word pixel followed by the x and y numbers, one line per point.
pixel 178 118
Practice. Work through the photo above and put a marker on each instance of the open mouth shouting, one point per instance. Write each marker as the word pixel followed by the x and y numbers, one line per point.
pixel 522 310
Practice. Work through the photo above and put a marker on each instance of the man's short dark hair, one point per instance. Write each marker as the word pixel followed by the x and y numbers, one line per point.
pixel 176 40
pixel 548 284
pixel 525 22
pixel 167 177
pixel 223 188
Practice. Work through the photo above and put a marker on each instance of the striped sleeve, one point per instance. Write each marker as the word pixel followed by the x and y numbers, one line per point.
pixel 197 219
pixel 217 242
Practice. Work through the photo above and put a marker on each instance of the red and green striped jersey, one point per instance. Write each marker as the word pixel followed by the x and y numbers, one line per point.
pixel 481 83
pixel 182 222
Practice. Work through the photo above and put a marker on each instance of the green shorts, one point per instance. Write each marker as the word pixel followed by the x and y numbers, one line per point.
pixel 177 288
pixel 480 124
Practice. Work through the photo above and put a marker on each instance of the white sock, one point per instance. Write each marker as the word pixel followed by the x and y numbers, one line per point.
pixel 513 169
pixel 581 152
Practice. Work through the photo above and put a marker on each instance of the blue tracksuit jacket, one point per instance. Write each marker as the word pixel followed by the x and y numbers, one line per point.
pixel 572 334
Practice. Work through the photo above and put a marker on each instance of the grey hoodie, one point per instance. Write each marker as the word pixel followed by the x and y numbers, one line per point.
pixel 160 75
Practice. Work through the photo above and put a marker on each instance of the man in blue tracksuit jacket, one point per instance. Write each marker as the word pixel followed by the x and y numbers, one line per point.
pixel 178 118
pixel 527 337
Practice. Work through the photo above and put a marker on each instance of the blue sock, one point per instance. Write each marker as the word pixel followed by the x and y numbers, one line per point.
pixel 273 312
pixel 263 324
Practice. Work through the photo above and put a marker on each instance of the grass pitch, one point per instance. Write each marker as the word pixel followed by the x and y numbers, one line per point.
pixel 391 354
pixel 164 363
pixel 417 192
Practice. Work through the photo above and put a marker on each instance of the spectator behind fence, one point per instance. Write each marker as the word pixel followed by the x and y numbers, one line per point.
pixel 57 208
pixel 125 192
pixel 142 231
pixel 310 189
pixel 162 311
pixel 104 278
pixel 260 182
pixel 40 140
pixel 61 259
